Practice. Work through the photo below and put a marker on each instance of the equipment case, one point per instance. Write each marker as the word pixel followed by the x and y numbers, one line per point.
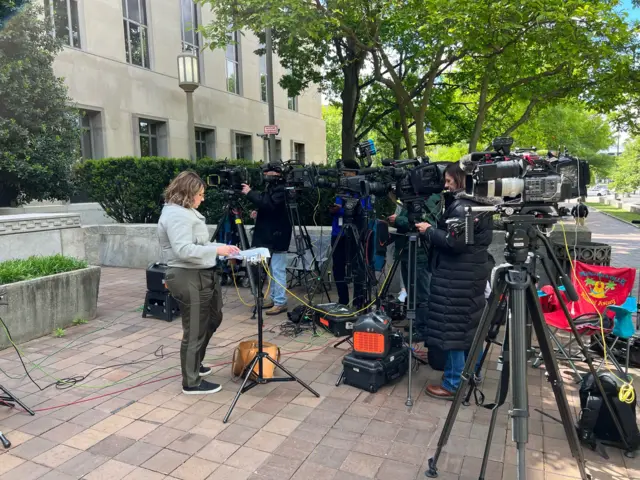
pixel 371 374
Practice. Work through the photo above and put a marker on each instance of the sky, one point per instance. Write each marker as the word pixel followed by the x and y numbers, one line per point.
pixel 634 13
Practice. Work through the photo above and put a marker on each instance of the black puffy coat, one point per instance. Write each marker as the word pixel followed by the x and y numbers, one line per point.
pixel 459 278
pixel 273 228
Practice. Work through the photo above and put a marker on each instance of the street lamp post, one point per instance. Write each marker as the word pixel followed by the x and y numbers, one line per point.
pixel 189 80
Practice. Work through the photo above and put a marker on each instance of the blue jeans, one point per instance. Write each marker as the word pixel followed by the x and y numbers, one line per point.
pixel 279 272
pixel 453 368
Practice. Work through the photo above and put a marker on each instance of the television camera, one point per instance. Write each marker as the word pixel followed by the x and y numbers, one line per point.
pixel 229 178
pixel 523 177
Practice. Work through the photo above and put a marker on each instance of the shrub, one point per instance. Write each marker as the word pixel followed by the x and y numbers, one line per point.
pixel 130 189
pixel 12 271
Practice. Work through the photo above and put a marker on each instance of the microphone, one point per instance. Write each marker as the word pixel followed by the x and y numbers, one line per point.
pixel 5 442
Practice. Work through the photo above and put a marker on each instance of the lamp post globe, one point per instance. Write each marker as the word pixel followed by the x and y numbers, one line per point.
pixel 189 80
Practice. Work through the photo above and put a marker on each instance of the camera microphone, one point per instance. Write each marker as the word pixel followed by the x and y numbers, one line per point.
pixel 5 442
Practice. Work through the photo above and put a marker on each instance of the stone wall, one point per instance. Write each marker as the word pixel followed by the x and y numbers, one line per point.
pixel 90 213
pixel 30 234
pixel 136 246
pixel 37 307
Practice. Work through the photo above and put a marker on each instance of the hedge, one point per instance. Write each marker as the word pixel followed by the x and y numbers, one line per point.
pixel 130 189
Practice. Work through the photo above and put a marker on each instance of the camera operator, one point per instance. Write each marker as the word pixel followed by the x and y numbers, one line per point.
pixel 273 231
pixel 190 276
pixel 459 274
pixel 432 209
pixel 340 251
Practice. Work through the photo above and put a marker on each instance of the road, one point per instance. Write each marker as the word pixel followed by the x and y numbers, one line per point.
pixel 623 238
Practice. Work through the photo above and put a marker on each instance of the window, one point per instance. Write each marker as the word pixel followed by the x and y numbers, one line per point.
pixel 278 149
pixel 233 64
pixel 136 35
pixel 293 103
pixel 63 15
pixel 91 142
pixel 190 23
pixel 205 143
pixel 298 152
pixel 148 133
pixel 263 76
pixel 243 147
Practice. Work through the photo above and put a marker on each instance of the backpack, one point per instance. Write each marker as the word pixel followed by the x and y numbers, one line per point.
pixel 595 422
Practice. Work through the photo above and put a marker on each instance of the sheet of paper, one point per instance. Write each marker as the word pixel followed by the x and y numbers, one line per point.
pixel 253 255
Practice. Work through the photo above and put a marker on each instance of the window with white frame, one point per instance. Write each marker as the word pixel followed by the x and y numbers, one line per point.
pixel 278 150
pixel 298 152
pixel 136 34
pixel 190 24
pixel 64 20
pixel 152 137
pixel 205 143
pixel 263 75
pixel 233 63
pixel 243 148
pixel 90 123
pixel 293 103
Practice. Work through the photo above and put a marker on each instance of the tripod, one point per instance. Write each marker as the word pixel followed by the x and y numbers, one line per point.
pixel 517 282
pixel 262 356
pixel 413 239
pixel 302 241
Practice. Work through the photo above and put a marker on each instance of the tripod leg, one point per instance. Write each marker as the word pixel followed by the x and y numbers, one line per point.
pixel 494 410
pixel 242 387
pixel 518 282
pixel 411 307
pixel 291 375
pixel 8 396
pixel 555 379
pixel 483 328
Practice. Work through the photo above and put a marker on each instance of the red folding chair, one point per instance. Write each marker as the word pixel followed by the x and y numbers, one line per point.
pixel 599 288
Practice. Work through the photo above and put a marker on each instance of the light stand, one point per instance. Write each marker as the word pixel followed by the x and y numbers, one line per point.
pixel 6 397
pixel 261 356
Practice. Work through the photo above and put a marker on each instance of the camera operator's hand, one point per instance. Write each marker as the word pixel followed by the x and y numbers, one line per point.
pixel 423 226
pixel 392 219
pixel 245 188
pixel 335 208
pixel 254 214
pixel 228 250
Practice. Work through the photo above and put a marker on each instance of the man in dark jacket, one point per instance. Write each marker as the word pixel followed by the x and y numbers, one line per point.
pixel 273 231
pixel 458 281
pixel 580 212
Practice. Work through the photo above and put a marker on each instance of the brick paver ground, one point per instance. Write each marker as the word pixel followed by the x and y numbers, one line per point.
pixel 131 422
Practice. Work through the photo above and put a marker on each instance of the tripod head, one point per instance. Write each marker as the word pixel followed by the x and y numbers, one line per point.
pixel 526 230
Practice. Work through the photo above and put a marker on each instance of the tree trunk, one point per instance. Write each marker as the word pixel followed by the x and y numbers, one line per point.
pixel 420 147
pixel 350 95
pixel 482 110
pixel 405 131
pixel 397 147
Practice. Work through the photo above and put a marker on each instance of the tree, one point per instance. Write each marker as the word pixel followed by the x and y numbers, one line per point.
pixel 626 177
pixel 38 129
pixel 331 114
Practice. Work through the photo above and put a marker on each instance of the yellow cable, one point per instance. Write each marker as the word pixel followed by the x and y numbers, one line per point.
pixel 266 267
pixel 627 393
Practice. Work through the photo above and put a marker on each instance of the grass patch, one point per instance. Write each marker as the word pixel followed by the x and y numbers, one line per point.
pixel 35 267
pixel 615 212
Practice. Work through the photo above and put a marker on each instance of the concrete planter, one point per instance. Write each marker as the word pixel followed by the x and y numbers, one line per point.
pixel 37 307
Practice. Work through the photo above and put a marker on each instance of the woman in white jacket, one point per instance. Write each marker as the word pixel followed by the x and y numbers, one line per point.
pixel 191 277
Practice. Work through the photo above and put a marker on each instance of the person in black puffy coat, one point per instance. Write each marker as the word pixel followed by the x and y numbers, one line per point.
pixel 458 281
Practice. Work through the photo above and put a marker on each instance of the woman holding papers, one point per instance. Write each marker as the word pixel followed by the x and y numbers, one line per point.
pixel 190 276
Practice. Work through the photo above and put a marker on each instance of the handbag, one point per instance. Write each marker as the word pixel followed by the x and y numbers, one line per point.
pixel 244 354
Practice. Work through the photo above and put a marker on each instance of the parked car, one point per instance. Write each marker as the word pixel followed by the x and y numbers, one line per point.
pixel 598 191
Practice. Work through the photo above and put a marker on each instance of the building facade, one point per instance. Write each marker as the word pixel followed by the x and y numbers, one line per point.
pixel 120 65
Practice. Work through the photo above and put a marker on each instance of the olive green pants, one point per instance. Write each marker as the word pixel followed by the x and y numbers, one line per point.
pixel 200 299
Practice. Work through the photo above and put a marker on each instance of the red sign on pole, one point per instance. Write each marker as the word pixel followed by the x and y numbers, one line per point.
pixel 271 130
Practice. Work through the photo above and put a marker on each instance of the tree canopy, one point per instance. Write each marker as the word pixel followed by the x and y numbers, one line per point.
pixel 38 128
